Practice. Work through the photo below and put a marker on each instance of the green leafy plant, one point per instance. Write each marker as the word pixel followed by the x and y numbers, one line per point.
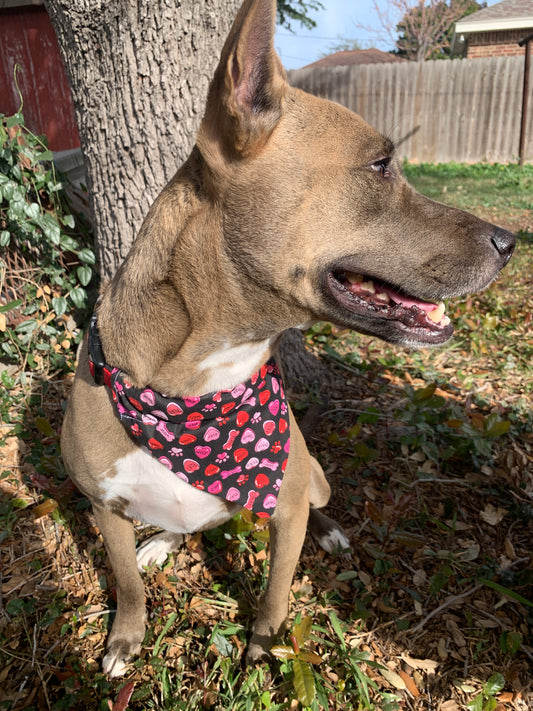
pixel 303 679
pixel 486 700
pixel 47 259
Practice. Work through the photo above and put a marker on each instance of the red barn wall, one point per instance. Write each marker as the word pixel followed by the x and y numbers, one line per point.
pixel 28 39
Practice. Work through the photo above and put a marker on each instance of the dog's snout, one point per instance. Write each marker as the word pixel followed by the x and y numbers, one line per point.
pixel 504 242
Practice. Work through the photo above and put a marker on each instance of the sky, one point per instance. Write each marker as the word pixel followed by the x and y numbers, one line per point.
pixel 339 18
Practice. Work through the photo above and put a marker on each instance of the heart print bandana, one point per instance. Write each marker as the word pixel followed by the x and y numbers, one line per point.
pixel 232 443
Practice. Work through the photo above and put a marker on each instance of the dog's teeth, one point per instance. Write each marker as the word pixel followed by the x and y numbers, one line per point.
pixel 382 297
pixel 354 278
pixel 368 286
pixel 437 314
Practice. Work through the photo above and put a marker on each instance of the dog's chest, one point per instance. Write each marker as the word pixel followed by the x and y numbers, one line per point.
pixel 232 443
pixel 146 490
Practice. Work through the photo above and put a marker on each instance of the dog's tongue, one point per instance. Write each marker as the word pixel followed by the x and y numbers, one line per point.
pixel 407 301
pixel 384 294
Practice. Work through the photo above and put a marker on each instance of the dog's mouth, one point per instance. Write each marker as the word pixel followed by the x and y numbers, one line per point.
pixel 388 312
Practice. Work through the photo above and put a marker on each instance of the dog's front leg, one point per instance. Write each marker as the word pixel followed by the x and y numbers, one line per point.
pixel 128 628
pixel 287 532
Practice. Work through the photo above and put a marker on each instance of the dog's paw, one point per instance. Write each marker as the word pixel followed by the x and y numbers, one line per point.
pixel 256 653
pixel 156 549
pixel 335 541
pixel 118 656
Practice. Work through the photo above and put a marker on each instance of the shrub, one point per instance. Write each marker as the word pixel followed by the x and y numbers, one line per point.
pixel 46 262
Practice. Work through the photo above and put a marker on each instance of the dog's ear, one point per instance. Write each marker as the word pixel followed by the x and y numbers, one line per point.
pixel 246 94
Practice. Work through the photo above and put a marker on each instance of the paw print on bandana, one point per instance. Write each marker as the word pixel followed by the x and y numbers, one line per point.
pixel 209 407
pixel 222 457
pixel 256 417
pixel 222 421
pixel 242 479
pixel 277 485
pixel 276 447
pixel 198 484
pixel 136 430
pixel 176 452
pixel 283 407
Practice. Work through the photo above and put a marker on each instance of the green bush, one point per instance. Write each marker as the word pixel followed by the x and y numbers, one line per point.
pixel 46 258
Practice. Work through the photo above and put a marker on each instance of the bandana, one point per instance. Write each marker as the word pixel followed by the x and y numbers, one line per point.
pixel 232 443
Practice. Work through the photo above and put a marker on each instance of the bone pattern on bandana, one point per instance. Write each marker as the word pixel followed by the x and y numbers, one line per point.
pixel 232 443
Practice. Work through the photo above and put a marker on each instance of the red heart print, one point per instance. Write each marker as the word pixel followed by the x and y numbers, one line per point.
pixel 269 426
pixel 263 396
pixel 261 480
pixel 154 444
pixel 190 466
pixel 211 470
pixel 240 454
pixel 283 424
pixel 193 424
pixel 264 370
pixel 227 407
pixel 173 409
pixel 136 404
pixel 187 439
pixel 242 418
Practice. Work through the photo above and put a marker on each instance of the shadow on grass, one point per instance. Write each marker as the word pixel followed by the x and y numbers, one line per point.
pixel 437 590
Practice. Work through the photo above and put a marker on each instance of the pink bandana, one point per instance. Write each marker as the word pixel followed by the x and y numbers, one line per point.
pixel 232 443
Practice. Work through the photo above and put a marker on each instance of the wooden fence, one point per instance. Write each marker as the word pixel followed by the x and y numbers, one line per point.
pixel 464 110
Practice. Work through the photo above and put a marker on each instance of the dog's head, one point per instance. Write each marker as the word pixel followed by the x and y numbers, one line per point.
pixel 317 210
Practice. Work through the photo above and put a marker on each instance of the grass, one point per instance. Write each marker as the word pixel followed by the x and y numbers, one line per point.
pixel 430 455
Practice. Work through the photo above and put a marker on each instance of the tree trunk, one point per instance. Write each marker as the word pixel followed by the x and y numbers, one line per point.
pixel 139 72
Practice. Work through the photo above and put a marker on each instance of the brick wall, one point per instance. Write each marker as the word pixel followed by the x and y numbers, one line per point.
pixel 497 44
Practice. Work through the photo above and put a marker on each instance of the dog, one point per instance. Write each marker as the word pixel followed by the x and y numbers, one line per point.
pixel 289 210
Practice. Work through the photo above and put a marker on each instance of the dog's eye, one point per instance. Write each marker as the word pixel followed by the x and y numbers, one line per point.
pixel 382 167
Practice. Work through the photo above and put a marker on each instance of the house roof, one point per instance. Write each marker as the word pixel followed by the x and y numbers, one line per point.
pixel 505 15
pixel 355 56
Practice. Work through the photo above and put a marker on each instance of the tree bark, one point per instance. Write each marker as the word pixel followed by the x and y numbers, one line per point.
pixel 139 72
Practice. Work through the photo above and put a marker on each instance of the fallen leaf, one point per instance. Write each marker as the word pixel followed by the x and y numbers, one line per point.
pixel 427 665
pixel 492 515
pixel 409 683
pixel 393 678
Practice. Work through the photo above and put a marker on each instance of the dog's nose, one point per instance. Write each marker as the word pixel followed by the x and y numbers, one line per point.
pixel 504 242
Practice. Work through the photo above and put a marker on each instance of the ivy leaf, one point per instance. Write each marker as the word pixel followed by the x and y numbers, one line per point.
pixel 84 274
pixel 87 255
pixel 79 297
pixel 50 228
pixel 14 120
pixel 44 156
pixel 68 221
pixel 33 211
pixel 59 304
pixel 5 238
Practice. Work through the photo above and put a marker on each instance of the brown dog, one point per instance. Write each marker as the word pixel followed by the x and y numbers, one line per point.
pixel 290 209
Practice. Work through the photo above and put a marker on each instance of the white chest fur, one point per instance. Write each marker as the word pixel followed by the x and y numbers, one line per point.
pixel 157 496
pixel 230 365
